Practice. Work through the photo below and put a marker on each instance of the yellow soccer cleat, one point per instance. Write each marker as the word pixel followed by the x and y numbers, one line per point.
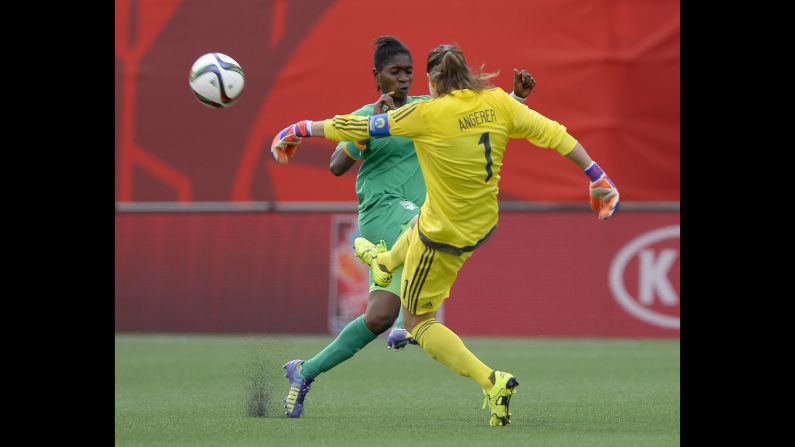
pixel 499 397
pixel 367 252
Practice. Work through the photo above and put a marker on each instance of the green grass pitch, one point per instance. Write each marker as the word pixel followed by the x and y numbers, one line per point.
pixel 198 390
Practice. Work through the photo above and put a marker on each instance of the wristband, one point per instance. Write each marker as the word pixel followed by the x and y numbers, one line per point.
pixel 594 172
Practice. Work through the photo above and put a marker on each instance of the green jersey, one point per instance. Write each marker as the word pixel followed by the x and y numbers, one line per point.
pixel 389 185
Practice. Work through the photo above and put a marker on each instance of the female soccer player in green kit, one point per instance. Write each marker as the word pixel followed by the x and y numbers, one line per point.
pixel 391 190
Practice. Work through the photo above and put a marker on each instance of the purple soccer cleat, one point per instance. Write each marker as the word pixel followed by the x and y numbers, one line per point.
pixel 398 338
pixel 299 386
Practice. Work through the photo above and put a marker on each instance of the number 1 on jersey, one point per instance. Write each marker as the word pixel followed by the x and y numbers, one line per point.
pixel 484 140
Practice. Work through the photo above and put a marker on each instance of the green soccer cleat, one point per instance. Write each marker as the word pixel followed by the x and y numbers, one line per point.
pixel 499 397
pixel 367 252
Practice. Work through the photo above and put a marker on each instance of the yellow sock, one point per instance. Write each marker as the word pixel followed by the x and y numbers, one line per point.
pixel 395 257
pixel 447 348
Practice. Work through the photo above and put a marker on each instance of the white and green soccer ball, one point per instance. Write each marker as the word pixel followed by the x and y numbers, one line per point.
pixel 217 80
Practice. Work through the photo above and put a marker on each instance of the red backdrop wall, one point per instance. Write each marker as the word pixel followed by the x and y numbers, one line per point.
pixel 607 69
pixel 550 274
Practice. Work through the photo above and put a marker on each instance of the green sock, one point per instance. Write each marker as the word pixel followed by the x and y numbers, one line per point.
pixel 399 319
pixel 353 337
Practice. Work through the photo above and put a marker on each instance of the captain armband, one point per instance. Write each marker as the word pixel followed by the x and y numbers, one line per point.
pixel 378 125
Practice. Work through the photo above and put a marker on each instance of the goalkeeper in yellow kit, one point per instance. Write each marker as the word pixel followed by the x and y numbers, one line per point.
pixel 460 136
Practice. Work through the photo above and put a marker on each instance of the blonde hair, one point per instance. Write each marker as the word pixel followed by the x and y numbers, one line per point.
pixel 448 70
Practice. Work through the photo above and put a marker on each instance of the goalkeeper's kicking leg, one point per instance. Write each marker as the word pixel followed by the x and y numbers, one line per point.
pixel 429 275
pixel 384 263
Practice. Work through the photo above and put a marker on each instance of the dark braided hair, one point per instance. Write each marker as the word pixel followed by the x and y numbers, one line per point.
pixel 386 47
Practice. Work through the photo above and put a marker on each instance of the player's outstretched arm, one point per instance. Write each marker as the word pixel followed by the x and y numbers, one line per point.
pixel 341 128
pixel 349 128
pixel 604 194
pixel 347 153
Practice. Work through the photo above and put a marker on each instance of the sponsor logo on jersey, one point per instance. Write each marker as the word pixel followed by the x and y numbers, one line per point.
pixel 409 205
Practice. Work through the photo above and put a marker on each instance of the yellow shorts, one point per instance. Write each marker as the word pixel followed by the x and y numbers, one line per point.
pixel 428 275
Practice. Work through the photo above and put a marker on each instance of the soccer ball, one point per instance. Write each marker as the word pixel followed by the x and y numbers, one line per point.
pixel 217 80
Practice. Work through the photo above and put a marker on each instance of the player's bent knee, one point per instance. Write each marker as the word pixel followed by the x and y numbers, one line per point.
pixel 379 322
pixel 411 320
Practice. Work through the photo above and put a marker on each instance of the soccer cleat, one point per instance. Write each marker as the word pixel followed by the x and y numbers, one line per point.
pixel 398 338
pixel 367 252
pixel 499 398
pixel 299 386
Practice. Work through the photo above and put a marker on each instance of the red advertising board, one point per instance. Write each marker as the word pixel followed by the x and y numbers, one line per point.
pixel 542 274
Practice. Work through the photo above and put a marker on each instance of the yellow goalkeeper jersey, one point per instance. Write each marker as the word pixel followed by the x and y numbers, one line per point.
pixel 460 140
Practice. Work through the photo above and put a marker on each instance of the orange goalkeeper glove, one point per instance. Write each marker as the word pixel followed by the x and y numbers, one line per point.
pixel 286 142
pixel 604 194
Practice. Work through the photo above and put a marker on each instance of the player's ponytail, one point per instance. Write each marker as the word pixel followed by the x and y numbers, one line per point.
pixel 448 70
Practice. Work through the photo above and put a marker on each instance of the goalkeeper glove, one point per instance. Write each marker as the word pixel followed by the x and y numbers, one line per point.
pixel 604 194
pixel 286 142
